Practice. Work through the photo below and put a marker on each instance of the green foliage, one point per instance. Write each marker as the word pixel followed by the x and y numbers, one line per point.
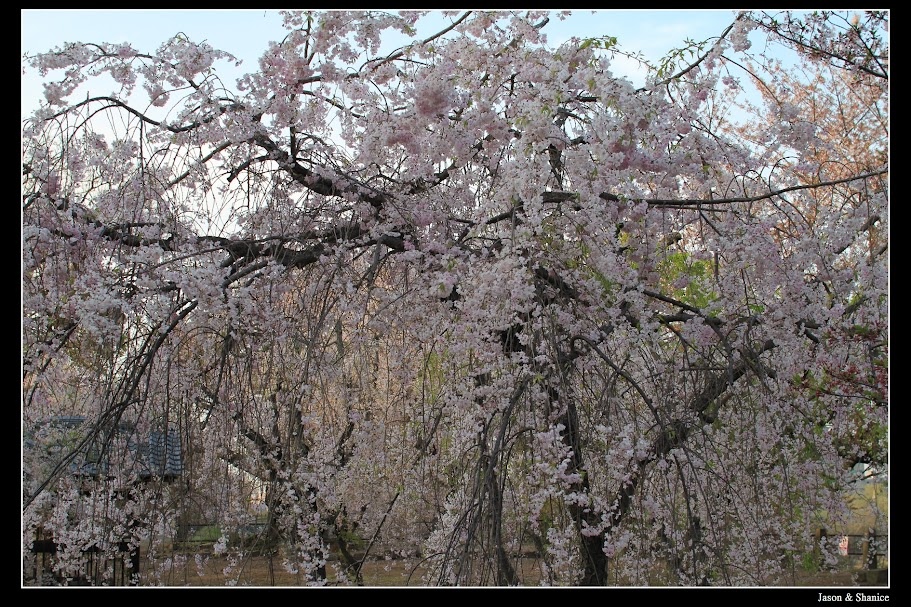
pixel 602 42
pixel 432 376
pixel 679 264
pixel 810 562
pixel 209 533
pixel 680 56
pixel 548 515
pixel 352 540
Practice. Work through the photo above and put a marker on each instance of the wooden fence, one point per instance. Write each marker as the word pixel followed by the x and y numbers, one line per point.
pixel 870 549
pixel 96 568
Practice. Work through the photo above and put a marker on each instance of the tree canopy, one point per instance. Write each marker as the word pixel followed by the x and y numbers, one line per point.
pixel 471 299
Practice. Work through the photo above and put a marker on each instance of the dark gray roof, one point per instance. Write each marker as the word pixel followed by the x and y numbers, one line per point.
pixel 157 454
pixel 161 454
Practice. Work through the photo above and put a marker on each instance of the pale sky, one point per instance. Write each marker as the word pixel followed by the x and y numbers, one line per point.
pixel 245 33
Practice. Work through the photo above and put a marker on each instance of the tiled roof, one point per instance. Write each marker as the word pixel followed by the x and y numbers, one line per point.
pixel 161 454
pixel 158 454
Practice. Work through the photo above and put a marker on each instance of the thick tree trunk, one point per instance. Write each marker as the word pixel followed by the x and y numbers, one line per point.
pixel 506 574
pixel 585 518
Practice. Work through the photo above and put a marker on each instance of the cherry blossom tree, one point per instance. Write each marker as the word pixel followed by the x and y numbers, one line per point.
pixel 471 298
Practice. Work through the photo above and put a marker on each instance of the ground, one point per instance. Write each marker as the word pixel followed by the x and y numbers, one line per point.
pixel 400 573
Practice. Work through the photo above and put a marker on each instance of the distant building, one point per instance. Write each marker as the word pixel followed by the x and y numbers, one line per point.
pixel 119 449
pixel 119 452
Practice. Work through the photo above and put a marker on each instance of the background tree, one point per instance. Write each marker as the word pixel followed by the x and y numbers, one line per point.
pixel 472 296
